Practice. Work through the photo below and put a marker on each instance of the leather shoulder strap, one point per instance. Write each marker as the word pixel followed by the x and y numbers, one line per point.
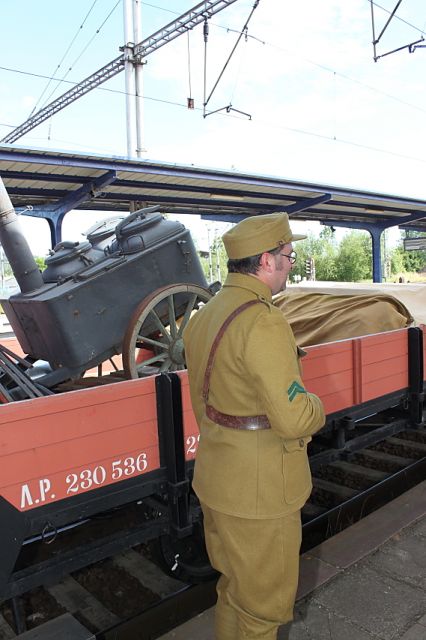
pixel 216 341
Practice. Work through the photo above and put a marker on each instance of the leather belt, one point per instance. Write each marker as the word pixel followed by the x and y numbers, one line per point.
pixel 247 423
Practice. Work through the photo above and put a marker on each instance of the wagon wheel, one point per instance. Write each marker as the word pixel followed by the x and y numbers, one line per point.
pixel 185 558
pixel 157 325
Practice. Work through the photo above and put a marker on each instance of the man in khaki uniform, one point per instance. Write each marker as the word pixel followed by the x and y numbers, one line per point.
pixel 251 473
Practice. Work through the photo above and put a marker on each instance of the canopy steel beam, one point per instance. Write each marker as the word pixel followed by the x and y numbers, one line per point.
pixel 56 213
pixel 306 203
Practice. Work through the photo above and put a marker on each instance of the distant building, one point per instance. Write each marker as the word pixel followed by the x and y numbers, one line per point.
pixel 8 285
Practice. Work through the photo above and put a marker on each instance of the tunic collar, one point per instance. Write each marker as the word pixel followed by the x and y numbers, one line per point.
pixel 250 283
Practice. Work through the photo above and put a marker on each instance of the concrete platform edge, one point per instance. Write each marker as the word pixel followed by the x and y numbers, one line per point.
pixel 324 562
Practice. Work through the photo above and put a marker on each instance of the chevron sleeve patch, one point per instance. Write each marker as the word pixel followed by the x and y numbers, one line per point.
pixel 294 389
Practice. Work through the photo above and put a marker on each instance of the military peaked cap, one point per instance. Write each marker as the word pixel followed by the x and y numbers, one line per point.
pixel 258 234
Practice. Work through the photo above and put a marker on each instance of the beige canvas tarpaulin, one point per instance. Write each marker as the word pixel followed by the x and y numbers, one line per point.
pixel 412 295
pixel 322 317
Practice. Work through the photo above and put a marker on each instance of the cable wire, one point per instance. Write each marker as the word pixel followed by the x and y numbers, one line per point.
pixel 270 125
pixel 243 30
pixel 82 52
pixel 278 48
pixel 63 58
pixel 279 126
pixel 398 17
pixel 189 66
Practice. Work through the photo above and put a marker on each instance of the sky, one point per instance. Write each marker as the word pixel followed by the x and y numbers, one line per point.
pixel 322 110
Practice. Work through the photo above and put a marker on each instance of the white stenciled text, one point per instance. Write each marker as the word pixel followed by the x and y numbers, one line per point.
pixel 192 444
pixel 41 491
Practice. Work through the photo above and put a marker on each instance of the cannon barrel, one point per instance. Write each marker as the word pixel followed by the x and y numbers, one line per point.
pixel 16 247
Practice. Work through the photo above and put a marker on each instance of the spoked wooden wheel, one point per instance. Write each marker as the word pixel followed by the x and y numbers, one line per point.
pixel 153 341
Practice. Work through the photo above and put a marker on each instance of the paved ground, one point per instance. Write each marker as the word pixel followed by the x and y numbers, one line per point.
pixel 381 597
pixel 366 583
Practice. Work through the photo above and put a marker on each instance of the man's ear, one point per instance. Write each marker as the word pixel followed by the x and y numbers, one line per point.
pixel 266 261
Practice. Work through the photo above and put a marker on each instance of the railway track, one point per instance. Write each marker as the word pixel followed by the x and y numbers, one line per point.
pixel 99 596
pixel 129 596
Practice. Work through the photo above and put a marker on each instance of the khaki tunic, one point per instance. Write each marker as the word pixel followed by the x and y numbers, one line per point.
pixel 250 474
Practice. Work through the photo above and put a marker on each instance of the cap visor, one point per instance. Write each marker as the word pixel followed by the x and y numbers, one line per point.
pixel 297 236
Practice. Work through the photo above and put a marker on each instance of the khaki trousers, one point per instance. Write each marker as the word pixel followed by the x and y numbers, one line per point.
pixel 259 565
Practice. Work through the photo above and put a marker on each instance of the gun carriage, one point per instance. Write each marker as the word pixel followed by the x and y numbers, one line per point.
pixel 132 283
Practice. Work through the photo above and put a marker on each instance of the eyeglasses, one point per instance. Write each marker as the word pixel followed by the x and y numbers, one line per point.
pixel 292 257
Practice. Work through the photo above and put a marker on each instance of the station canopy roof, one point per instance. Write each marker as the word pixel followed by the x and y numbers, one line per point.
pixel 50 180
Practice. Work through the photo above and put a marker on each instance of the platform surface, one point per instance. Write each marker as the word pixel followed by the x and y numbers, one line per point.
pixel 366 583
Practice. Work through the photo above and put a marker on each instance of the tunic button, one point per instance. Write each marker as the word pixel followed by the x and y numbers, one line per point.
pixel 301 442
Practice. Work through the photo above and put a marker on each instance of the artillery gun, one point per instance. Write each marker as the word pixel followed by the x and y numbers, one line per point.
pixel 128 289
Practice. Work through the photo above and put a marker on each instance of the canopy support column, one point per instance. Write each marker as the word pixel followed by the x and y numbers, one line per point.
pixel 376 236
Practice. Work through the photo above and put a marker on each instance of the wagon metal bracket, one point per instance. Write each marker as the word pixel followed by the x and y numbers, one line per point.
pixel 172 450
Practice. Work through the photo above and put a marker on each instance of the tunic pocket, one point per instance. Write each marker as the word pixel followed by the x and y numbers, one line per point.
pixel 296 471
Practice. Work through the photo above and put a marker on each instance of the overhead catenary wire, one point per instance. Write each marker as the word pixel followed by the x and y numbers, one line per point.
pixel 409 24
pixel 190 99
pixel 267 44
pixel 244 30
pixel 89 84
pixel 215 24
pixel 98 30
pixel 63 57
pixel 314 63
pixel 263 42
pixel 206 37
pixel 385 26
pixel 410 47
pixel 140 50
pixel 270 125
pixel 304 132
pixel 237 75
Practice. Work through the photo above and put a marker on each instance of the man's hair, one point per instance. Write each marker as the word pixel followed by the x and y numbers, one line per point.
pixel 250 264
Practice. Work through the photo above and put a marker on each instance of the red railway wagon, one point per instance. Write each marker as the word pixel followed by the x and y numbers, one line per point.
pixel 129 446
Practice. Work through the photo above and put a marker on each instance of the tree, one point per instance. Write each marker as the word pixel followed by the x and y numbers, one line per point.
pixel 414 260
pixel 403 261
pixel 397 261
pixel 325 262
pixel 327 234
pixel 40 262
pixel 214 262
pixel 354 258
pixel 322 250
